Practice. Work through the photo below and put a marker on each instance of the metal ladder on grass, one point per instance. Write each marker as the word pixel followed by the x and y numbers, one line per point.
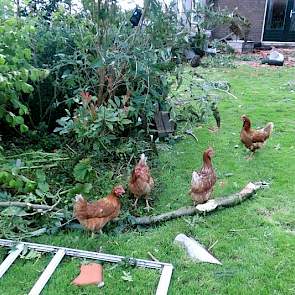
pixel 165 268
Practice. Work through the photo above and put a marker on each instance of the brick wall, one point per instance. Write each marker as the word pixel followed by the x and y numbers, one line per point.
pixel 252 9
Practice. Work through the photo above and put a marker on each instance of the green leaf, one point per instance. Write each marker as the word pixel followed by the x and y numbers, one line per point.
pixel 34 75
pixel 110 126
pixel 127 276
pixel 27 53
pixel 2 60
pixel 81 188
pixel 126 121
pixel 97 64
pixel 23 110
pixel 18 120
pixel 24 128
pixel 112 119
pixel 41 181
pixel 32 255
pixel 82 170
pixel 13 211
pixel 26 88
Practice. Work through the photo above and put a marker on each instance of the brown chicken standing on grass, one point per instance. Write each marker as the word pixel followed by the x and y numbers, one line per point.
pixel 203 181
pixel 95 215
pixel 141 182
pixel 254 139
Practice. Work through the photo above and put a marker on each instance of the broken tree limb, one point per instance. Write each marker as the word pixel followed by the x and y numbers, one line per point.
pixel 248 191
pixel 28 205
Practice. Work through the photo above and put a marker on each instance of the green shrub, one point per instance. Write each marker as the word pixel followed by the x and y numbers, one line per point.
pixel 16 71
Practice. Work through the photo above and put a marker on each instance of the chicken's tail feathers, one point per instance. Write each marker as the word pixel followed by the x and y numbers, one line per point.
pixel 80 208
pixel 143 159
pixel 269 128
pixel 195 178
pixel 79 198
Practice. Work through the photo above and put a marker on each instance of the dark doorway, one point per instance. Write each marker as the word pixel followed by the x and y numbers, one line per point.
pixel 280 21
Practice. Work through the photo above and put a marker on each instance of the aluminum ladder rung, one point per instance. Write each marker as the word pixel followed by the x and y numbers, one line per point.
pixel 47 273
pixel 10 259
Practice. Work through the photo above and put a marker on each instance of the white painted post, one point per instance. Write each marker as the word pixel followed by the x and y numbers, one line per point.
pixel 164 280
pixel 47 273
pixel 10 259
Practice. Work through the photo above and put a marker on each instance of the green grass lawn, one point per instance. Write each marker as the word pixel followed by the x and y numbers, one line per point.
pixel 255 241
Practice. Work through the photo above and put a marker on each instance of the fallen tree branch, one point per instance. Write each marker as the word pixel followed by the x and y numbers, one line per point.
pixel 248 191
pixel 28 205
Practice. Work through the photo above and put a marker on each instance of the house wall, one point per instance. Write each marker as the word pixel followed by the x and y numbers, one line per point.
pixel 252 9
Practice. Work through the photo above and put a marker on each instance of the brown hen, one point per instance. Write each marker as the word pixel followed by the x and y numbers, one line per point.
pixel 203 181
pixel 94 216
pixel 254 139
pixel 141 182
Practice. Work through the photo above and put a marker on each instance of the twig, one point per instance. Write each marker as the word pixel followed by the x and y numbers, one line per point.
pixel 47 160
pixel 189 132
pixel 28 205
pixel 31 153
pixel 128 163
pixel 227 92
pixel 232 200
pixel 74 152
pixel 152 256
pixel 212 245
pixel 38 166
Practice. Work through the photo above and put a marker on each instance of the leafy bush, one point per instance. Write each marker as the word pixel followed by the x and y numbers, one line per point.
pixel 122 85
pixel 16 71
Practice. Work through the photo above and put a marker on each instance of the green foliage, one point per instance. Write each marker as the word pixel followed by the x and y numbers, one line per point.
pixel 121 85
pixel 195 98
pixel 240 26
pixel 222 47
pixel 12 178
pixel 26 181
pixel 219 61
pixel 90 121
pixel 82 170
pixel 206 18
pixel 209 16
pixel 255 239
pixel 16 71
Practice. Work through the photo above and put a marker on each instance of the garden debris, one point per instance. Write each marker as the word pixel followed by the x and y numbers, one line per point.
pixel 195 250
pixel 193 58
pixel 254 59
pixel 211 51
pixel 190 132
pixel 232 200
pixel 152 256
pixel 164 124
pixel 127 276
pixel 275 58
pixel 90 274
pixel 216 113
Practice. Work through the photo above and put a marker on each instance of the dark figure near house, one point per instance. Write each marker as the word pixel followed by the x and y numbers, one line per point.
pixel 135 18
